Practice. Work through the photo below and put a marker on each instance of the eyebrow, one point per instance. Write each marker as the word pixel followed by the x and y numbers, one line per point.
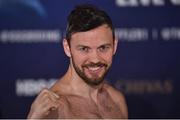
pixel 106 44
pixel 82 46
pixel 78 46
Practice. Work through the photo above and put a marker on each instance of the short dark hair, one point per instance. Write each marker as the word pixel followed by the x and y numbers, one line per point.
pixel 86 17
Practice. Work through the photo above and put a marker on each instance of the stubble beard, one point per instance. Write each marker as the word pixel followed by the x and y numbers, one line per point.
pixel 90 81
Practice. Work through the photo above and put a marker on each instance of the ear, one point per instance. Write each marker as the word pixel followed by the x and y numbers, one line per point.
pixel 66 48
pixel 115 45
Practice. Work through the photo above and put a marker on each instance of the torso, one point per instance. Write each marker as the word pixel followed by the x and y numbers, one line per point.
pixel 73 106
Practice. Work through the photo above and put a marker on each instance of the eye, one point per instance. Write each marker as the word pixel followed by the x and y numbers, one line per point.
pixel 104 48
pixel 83 49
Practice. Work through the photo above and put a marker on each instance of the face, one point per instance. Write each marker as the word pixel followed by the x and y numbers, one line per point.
pixel 91 53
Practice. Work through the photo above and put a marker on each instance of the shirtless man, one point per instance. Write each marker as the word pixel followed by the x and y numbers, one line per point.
pixel 82 92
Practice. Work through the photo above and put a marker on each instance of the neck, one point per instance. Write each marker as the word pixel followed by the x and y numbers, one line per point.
pixel 78 86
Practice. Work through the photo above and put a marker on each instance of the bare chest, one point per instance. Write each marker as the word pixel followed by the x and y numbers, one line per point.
pixel 78 107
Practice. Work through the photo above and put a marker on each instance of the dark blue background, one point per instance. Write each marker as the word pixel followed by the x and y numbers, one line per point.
pixel 147 60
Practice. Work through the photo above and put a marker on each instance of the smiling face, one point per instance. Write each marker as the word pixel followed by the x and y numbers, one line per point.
pixel 91 53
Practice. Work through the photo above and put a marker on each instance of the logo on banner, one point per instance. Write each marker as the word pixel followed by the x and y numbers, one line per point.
pixel 31 87
pixel 145 3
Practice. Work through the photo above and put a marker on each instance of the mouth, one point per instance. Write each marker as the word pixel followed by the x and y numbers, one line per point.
pixel 95 70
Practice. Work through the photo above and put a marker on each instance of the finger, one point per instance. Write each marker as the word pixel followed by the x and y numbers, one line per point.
pixel 47 93
pixel 45 97
pixel 52 99
pixel 48 97
pixel 53 96
pixel 49 105
pixel 42 93
pixel 56 95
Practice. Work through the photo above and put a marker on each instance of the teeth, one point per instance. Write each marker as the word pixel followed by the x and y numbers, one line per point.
pixel 93 68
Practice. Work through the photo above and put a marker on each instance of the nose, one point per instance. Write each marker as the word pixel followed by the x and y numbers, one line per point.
pixel 94 56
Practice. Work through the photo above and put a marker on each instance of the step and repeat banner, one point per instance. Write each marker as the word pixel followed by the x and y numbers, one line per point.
pixel 146 67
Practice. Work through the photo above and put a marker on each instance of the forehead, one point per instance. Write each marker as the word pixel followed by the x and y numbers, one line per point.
pixel 95 37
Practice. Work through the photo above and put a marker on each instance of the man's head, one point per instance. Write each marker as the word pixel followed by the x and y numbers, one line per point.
pixel 90 43
pixel 86 17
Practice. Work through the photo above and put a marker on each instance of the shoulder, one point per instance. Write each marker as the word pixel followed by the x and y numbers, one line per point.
pixel 59 88
pixel 114 93
pixel 118 97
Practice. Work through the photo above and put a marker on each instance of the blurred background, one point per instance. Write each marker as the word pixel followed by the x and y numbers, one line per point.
pixel 146 67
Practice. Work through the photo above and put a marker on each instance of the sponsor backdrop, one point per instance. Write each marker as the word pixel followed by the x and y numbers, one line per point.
pixel 146 67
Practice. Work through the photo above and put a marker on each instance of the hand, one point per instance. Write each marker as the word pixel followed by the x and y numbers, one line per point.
pixel 44 103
